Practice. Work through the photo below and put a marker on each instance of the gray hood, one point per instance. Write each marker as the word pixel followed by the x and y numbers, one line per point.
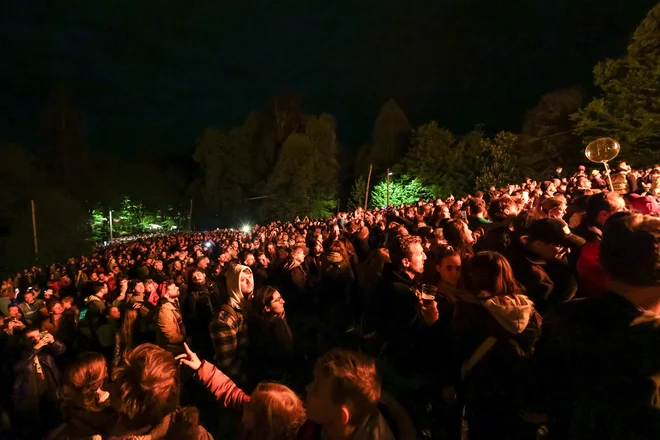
pixel 511 312
pixel 236 298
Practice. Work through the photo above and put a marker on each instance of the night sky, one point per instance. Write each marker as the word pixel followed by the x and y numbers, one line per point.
pixel 154 74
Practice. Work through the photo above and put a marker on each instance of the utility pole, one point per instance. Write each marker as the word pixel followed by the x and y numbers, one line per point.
pixel 111 226
pixel 366 195
pixel 387 196
pixel 34 231
pixel 190 215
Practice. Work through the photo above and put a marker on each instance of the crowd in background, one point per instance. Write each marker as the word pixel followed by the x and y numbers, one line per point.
pixel 530 311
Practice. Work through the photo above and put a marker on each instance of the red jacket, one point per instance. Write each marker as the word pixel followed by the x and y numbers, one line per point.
pixel 221 386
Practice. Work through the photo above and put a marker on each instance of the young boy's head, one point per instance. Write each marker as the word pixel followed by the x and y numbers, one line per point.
pixel 345 389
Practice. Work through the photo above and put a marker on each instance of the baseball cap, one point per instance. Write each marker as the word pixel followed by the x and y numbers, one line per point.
pixel 553 231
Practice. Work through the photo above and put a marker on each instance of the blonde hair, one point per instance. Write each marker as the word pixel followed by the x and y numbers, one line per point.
pixel 279 412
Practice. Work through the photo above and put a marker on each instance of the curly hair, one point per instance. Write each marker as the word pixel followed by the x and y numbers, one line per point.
pixel 400 247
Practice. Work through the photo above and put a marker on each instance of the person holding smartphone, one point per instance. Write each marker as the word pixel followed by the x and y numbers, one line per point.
pixel 35 387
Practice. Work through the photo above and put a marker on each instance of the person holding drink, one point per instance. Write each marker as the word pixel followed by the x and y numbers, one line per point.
pixel 405 322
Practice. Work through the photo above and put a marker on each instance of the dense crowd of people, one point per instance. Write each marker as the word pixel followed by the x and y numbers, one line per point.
pixel 532 311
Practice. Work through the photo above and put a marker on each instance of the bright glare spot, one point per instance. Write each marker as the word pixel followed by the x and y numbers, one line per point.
pixel 173 227
pixel 154 226
pixel 208 244
pixel 246 228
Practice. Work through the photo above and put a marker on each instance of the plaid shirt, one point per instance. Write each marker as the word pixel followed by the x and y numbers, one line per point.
pixel 230 340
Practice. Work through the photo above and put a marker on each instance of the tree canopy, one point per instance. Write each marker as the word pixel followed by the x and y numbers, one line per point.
pixel 547 139
pixel 403 190
pixel 389 139
pixel 628 108
pixel 304 179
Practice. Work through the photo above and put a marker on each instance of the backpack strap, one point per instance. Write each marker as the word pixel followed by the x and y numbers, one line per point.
pixel 481 351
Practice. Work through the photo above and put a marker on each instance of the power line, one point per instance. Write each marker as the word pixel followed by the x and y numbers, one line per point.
pixel 543 137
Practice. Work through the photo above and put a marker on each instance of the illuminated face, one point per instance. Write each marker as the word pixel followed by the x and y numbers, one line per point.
pixel 263 260
pixel 276 304
pixel 246 283
pixel 172 291
pixel 249 260
pixel 558 212
pixel 114 314
pixel 34 337
pixel 139 288
pixel 57 309
pixel 415 262
pixel 299 256
pixel 199 277
pixel 450 269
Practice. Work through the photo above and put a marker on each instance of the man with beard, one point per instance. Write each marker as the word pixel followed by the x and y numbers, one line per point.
pixel 198 311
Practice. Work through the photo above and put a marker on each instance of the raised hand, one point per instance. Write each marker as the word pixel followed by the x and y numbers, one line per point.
pixel 189 358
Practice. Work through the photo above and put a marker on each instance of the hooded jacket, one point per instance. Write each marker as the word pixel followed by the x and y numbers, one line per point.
pixel 229 330
pixel 236 298
pixel 507 318
pixel 502 374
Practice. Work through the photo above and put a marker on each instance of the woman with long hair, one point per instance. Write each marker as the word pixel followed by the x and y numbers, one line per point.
pixel 496 318
pixel 127 337
pixel 84 402
pixel 459 237
pixel 271 340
